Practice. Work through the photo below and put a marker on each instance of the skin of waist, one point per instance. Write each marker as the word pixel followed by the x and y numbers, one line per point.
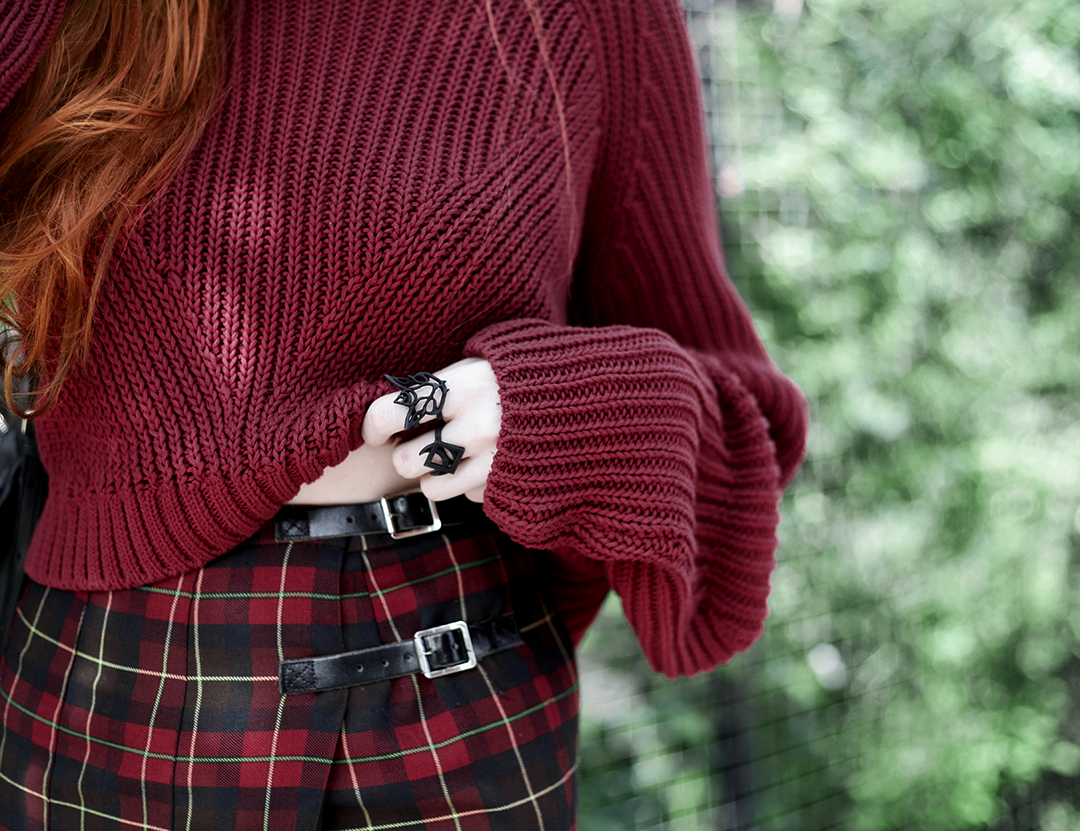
pixel 365 475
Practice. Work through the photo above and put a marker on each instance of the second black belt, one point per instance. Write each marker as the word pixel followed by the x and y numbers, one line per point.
pixel 441 650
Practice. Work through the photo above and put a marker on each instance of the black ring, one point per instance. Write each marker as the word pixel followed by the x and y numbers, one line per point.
pixel 442 457
pixel 423 394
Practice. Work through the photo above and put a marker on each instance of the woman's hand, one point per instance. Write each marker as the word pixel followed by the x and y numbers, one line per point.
pixel 473 416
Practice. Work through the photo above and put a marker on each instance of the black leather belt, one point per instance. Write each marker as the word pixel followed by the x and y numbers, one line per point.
pixel 438 651
pixel 394 517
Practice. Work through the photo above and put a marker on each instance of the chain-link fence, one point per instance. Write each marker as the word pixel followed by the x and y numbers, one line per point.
pixel 899 197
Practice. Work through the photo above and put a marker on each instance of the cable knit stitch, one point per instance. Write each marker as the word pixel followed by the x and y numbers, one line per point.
pixel 386 189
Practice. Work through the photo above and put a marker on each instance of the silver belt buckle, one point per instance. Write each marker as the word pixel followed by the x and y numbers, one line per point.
pixel 425 665
pixel 392 529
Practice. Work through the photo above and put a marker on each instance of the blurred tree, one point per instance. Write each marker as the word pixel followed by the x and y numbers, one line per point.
pixel 901 204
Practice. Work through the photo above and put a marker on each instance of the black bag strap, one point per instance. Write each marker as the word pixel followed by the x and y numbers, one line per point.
pixel 32 493
pixel 25 500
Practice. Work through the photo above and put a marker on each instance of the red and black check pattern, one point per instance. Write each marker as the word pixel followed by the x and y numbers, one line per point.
pixel 158 708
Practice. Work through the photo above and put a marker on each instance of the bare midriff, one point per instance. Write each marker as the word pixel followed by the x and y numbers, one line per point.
pixel 366 474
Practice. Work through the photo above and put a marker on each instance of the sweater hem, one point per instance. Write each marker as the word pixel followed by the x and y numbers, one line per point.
pixel 143 535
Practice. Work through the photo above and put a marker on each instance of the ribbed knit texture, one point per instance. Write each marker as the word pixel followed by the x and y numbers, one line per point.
pixel 26 27
pixel 380 192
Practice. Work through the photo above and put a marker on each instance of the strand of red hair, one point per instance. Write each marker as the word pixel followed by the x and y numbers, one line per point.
pixel 115 105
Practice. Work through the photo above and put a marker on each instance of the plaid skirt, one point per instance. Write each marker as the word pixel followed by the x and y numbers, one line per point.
pixel 159 707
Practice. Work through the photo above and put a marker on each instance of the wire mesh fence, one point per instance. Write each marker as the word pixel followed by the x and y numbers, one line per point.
pixel 899 197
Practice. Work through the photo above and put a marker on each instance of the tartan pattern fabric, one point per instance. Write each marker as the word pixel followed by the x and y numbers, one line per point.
pixel 158 707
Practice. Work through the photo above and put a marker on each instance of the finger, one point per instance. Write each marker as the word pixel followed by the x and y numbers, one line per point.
pixel 475 495
pixel 385 417
pixel 478 433
pixel 470 477
pixel 471 385
pixel 382 420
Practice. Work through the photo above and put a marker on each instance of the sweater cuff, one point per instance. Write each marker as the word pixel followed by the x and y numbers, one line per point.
pixel 599 442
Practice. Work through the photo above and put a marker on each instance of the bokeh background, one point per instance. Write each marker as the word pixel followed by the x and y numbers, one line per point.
pixel 898 184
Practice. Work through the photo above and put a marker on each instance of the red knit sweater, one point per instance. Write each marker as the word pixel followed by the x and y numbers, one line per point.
pixel 387 188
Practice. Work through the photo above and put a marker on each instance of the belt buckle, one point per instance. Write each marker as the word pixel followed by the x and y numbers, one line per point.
pixel 422 654
pixel 396 533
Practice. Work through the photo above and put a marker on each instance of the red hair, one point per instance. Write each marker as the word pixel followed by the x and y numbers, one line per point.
pixel 113 108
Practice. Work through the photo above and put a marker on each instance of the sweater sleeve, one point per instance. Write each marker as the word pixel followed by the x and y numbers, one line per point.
pixel 26 27
pixel 647 445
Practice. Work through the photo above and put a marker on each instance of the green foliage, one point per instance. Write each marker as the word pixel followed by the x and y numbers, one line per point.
pixel 903 196
pixel 925 296
pixel 649 747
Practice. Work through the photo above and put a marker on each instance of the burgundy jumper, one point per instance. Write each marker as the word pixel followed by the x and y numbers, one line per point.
pixel 387 187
